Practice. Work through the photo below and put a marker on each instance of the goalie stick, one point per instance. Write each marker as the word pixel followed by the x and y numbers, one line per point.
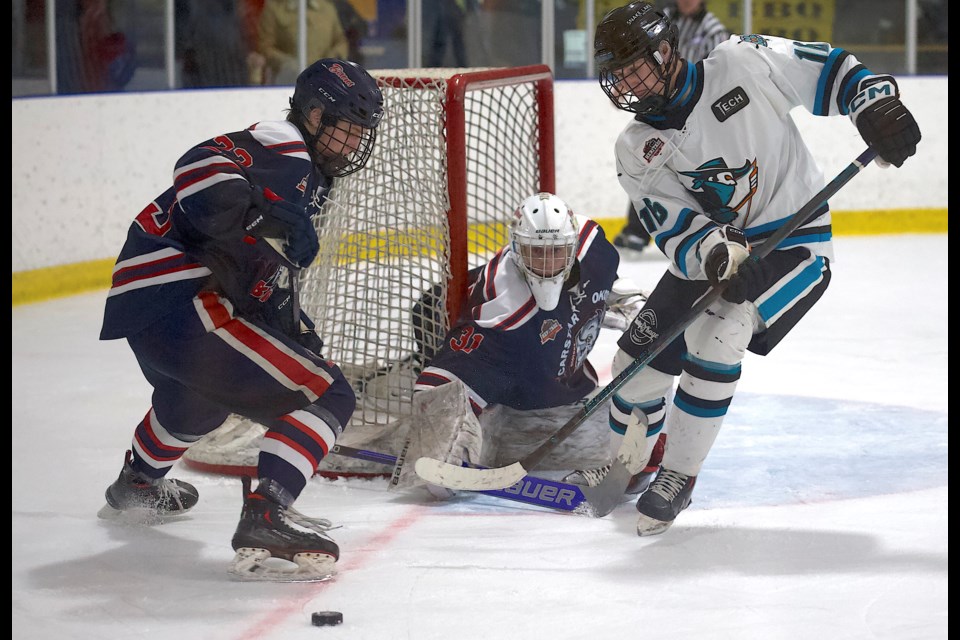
pixel 615 481
pixel 550 494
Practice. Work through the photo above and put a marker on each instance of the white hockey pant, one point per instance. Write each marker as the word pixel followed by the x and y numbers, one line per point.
pixel 640 401
pixel 716 344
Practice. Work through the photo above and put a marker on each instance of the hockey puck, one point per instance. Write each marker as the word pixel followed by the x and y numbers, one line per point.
pixel 326 618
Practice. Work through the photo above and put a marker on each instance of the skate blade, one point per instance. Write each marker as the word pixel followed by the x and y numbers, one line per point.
pixel 647 526
pixel 137 516
pixel 257 565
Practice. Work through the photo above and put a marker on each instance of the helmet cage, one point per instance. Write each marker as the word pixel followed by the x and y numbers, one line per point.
pixel 350 101
pixel 342 147
pixel 624 38
pixel 544 238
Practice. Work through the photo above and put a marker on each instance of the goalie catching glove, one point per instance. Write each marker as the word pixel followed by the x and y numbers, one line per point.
pixel 286 228
pixel 884 123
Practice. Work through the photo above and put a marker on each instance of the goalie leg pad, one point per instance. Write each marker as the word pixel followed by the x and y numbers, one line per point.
pixel 443 427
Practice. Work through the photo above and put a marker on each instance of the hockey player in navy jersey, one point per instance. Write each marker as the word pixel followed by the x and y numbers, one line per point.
pixel 198 294
pixel 714 164
pixel 532 316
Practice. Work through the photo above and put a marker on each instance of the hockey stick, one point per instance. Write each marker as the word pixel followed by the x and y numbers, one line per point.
pixel 616 480
pixel 550 494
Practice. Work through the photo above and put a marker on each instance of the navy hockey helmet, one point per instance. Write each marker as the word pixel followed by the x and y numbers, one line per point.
pixel 352 105
pixel 626 37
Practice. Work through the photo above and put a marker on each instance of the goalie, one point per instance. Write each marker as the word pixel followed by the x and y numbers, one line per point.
pixel 533 315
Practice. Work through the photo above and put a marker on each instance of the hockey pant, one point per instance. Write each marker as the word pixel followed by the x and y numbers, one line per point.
pixel 707 357
pixel 204 363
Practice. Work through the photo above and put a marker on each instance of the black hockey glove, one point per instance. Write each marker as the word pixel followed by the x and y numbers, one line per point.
pixel 748 282
pixel 277 312
pixel 308 335
pixel 720 251
pixel 884 123
pixel 286 228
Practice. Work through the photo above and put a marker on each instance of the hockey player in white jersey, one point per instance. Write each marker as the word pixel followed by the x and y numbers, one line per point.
pixel 714 164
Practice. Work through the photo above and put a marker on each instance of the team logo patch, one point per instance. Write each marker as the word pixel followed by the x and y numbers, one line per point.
pixel 724 192
pixel 652 148
pixel 302 187
pixel 730 103
pixel 753 38
pixel 642 331
pixel 549 330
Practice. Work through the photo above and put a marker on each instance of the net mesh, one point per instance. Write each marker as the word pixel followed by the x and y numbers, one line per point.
pixel 387 232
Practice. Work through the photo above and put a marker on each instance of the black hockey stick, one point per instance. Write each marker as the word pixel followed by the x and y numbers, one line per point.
pixel 550 494
pixel 616 480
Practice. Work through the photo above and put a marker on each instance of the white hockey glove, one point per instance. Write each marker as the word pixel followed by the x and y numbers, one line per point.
pixel 623 304
pixel 721 251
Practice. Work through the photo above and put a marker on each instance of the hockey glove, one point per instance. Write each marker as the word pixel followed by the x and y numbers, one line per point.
pixel 308 336
pixel 285 228
pixel 721 251
pixel 883 122
pixel 748 283
pixel 623 304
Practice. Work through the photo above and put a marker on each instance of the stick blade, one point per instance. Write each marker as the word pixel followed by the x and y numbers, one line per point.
pixel 450 476
pixel 606 496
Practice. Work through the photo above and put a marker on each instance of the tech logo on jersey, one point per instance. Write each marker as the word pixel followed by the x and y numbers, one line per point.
pixel 724 193
pixel 642 331
pixel 730 103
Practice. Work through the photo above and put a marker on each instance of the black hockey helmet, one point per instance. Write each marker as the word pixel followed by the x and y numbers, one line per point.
pixel 624 36
pixel 347 94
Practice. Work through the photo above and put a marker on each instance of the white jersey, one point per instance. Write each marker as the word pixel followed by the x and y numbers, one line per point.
pixel 738 158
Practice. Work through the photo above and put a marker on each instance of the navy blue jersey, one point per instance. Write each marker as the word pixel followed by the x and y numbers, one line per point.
pixel 508 351
pixel 192 238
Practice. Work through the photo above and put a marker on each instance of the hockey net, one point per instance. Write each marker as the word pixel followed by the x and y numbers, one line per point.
pixel 456 152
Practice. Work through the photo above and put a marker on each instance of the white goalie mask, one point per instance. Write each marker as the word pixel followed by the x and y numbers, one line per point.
pixel 544 238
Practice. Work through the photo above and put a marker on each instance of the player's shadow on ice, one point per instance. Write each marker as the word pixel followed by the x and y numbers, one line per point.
pixel 139 566
pixel 688 550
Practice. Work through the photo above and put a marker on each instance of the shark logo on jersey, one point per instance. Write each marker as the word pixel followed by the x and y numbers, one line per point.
pixel 586 338
pixel 724 193
pixel 642 330
pixel 754 39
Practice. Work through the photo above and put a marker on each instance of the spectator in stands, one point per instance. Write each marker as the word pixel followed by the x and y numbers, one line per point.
pixel 700 31
pixel 279 32
pixel 355 27
pixel 212 43
pixel 443 24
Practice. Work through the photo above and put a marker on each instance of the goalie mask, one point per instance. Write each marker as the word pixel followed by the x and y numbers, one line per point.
pixel 544 238
pixel 636 66
pixel 352 105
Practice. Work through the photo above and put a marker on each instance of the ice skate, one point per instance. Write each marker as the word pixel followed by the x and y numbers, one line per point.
pixel 279 544
pixel 137 497
pixel 667 496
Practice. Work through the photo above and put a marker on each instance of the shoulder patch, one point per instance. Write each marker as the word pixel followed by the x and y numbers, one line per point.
pixel 754 39
pixel 730 103
pixel 652 148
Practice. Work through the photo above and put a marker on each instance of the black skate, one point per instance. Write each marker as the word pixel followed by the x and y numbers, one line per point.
pixel 135 496
pixel 663 501
pixel 269 530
